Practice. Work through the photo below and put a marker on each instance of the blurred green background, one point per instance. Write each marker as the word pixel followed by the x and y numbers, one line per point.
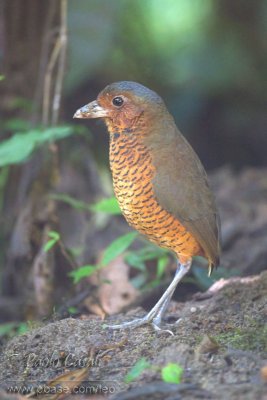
pixel 206 58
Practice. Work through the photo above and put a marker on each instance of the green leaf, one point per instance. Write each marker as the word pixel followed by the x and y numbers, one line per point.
pixel 13 328
pixel 172 373
pixel 16 149
pixel 72 310
pixel 108 206
pixel 161 265
pixel 83 272
pixel 7 328
pixel 71 201
pixel 20 146
pixel 136 370
pixel 150 252
pixel 55 237
pixel 23 328
pixel 134 260
pixel 52 134
pixel 2 77
pixel 117 247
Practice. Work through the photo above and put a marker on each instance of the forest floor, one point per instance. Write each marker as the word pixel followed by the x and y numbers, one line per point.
pixel 220 336
pixel 220 342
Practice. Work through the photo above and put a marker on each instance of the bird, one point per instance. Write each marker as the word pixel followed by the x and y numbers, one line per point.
pixel 159 181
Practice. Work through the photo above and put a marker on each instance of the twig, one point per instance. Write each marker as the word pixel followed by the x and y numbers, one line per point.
pixel 58 55
pixel 67 256
pixel 52 94
pixel 61 62
pixel 49 33
pixel 48 80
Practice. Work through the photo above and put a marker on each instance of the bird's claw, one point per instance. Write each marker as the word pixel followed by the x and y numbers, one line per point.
pixel 140 322
pixel 160 330
pixel 131 324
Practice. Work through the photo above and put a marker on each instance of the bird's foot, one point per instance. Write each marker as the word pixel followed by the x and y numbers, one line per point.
pixel 155 323
pixel 154 317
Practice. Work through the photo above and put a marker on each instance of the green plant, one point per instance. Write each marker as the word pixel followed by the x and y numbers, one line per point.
pixel 54 238
pixel 72 310
pixel 108 206
pixel 116 248
pixel 138 259
pixel 140 366
pixel 20 146
pixel 10 329
pixel 172 373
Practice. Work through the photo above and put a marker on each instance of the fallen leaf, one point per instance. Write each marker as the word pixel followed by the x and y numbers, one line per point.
pixel 62 386
pixel 115 290
pixel 208 345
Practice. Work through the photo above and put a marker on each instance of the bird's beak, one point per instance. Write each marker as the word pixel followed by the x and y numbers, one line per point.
pixel 91 110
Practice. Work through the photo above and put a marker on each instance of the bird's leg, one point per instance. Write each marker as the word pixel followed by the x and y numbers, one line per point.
pixel 155 315
pixel 158 318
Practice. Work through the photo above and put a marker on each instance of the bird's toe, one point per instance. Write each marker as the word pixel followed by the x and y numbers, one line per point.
pixel 158 329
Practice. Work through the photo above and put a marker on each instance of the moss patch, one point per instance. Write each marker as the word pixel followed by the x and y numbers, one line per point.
pixel 249 338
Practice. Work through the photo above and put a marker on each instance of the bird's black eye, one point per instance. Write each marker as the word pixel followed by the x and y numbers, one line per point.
pixel 117 101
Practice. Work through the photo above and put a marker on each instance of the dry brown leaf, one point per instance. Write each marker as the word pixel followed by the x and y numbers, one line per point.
pixel 62 386
pixel 68 383
pixel 208 345
pixel 114 288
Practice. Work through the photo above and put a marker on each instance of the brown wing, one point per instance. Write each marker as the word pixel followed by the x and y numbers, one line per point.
pixel 181 188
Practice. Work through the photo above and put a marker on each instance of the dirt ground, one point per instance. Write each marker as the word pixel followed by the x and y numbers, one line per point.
pixel 220 341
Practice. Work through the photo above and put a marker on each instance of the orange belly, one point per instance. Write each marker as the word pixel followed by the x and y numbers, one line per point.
pixel 132 172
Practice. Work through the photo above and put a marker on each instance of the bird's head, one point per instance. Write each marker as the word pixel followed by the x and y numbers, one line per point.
pixel 124 105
